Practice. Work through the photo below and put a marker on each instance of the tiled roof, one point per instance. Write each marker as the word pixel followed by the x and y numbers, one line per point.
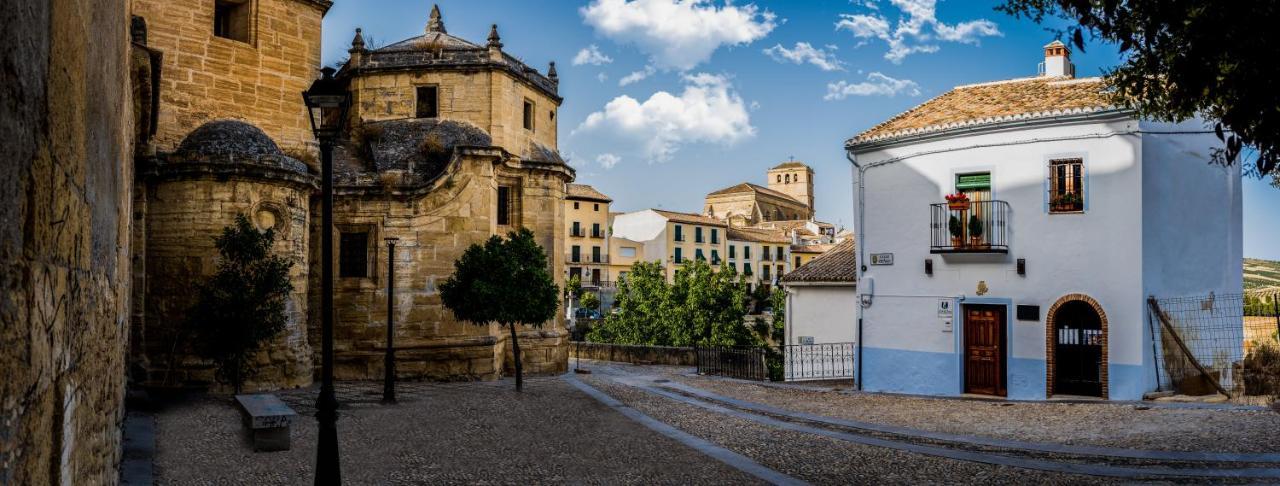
pixel 790 224
pixel 839 264
pixel 689 218
pixel 794 164
pixel 583 191
pixel 994 102
pixel 758 235
pixel 749 187
pixel 822 248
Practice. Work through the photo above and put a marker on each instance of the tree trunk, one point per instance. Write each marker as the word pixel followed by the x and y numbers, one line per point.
pixel 515 350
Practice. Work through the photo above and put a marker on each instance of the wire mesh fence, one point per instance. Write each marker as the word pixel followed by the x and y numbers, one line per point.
pixel 1223 343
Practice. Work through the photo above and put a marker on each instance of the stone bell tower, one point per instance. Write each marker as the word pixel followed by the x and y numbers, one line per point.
pixel 794 179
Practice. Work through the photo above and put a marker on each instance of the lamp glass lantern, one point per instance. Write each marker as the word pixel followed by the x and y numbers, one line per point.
pixel 327 101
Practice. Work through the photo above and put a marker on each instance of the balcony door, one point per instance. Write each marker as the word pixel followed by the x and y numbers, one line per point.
pixel 976 185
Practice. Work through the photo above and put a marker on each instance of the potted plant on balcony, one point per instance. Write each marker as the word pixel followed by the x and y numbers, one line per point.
pixel 958 201
pixel 957 231
pixel 1067 202
pixel 975 232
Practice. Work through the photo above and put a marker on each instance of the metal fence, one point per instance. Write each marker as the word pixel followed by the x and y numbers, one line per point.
pixel 1223 343
pixel 830 361
pixel 746 362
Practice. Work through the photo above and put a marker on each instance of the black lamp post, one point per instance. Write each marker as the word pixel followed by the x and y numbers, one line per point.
pixel 389 376
pixel 327 101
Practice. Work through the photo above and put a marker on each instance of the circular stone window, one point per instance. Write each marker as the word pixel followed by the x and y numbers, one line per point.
pixel 266 219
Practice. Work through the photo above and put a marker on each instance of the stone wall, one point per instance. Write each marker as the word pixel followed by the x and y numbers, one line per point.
pixel 492 100
pixel 625 353
pixel 435 224
pixel 183 215
pixel 208 77
pixel 64 239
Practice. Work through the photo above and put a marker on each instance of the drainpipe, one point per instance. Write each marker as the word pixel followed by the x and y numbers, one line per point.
pixel 859 245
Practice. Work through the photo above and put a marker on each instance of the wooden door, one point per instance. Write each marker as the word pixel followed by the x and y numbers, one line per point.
pixel 984 342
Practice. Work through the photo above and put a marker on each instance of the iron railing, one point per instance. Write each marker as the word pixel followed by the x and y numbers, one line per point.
pixel 746 362
pixel 578 232
pixel 597 233
pixel 957 230
pixel 828 361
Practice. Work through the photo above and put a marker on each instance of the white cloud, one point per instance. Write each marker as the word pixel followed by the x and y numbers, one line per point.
pixel 602 77
pixel 678 34
pixel 591 55
pixel 916 29
pixel 876 85
pixel 804 53
pixel 708 110
pixel 637 76
pixel 608 160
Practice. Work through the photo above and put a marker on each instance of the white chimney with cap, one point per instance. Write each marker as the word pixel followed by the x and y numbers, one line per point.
pixel 1057 61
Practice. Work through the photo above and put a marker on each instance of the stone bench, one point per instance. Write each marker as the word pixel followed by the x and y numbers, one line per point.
pixel 268 419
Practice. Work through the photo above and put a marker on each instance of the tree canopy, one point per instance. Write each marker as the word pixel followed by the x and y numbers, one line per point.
pixel 504 281
pixel 243 304
pixel 1184 58
pixel 703 306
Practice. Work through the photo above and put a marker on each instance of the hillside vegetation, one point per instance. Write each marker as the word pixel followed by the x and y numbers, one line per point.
pixel 1261 273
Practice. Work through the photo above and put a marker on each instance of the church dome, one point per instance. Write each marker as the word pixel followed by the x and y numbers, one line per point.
pixel 234 142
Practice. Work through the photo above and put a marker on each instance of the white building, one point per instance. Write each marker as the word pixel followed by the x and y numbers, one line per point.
pixel 822 298
pixel 1084 210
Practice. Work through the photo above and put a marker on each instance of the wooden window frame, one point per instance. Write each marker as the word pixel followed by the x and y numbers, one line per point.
pixel 1066 176
pixel 225 11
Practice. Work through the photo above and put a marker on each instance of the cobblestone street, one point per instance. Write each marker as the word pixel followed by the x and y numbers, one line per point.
pixel 557 432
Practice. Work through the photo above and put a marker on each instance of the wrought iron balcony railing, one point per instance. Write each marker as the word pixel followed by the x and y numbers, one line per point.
pixel 972 227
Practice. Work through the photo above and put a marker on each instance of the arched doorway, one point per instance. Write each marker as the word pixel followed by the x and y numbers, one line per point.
pixel 1076 347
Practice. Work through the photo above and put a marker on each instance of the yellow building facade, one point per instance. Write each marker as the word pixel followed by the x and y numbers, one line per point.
pixel 762 256
pixel 587 236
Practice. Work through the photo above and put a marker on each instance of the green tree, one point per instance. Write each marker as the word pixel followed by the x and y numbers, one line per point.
pixel 702 307
pixel 242 305
pixel 1184 58
pixel 504 281
pixel 590 301
pixel 641 298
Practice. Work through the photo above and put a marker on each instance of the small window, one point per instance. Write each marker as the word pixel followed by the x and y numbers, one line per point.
pixel 733 251
pixel 596 208
pixel 575 205
pixel 765 253
pixel 779 177
pixel 428 102
pixel 595 231
pixel 353 255
pixel 1066 186
pixel 231 19
pixel 575 253
pixel 627 251
pixel 764 271
pixel 595 255
pixel 528 115
pixel 797 263
pixel 504 205
pixel 698 254
pixel 715 236
pixel 787 179
pixel 779 253
pixel 715 256
pixel 746 253
pixel 679 255
pixel 679 233
pixel 779 270
pixel 697 234
pixel 576 230
pixel 746 269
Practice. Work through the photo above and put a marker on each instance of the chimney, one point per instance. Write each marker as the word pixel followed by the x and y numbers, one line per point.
pixel 1057 61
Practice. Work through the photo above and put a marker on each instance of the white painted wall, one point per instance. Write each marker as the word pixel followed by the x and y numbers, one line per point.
pixel 646 227
pixel 1104 253
pixel 825 312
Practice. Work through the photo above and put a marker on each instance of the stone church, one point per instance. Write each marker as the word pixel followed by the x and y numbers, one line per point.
pixel 448 143
pixel 136 130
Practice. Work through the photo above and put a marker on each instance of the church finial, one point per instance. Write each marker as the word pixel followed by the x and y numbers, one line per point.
pixel 436 23
pixel 357 43
pixel 494 40
pixel 551 72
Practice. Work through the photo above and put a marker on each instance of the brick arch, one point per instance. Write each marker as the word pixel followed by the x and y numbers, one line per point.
pixel 1051 335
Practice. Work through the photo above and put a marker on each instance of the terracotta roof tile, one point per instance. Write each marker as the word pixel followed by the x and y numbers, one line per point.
pixel 994 102
pixel 583 191
pixel 689 218
pixel 839 264
pixel 749 187
pixel 758 235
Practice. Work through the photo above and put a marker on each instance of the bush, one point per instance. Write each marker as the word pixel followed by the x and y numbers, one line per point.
pixel 243 304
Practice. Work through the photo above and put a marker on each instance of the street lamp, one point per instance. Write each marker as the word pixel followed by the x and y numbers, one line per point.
pixel 327 101
pixel 389 366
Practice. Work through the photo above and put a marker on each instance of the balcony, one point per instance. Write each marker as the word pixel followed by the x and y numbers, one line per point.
pixel 597 233
pixel 578 233
pixel 588 259
pixel 976 227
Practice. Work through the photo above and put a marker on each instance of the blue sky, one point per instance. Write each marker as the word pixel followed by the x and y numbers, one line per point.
pixel 721 93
